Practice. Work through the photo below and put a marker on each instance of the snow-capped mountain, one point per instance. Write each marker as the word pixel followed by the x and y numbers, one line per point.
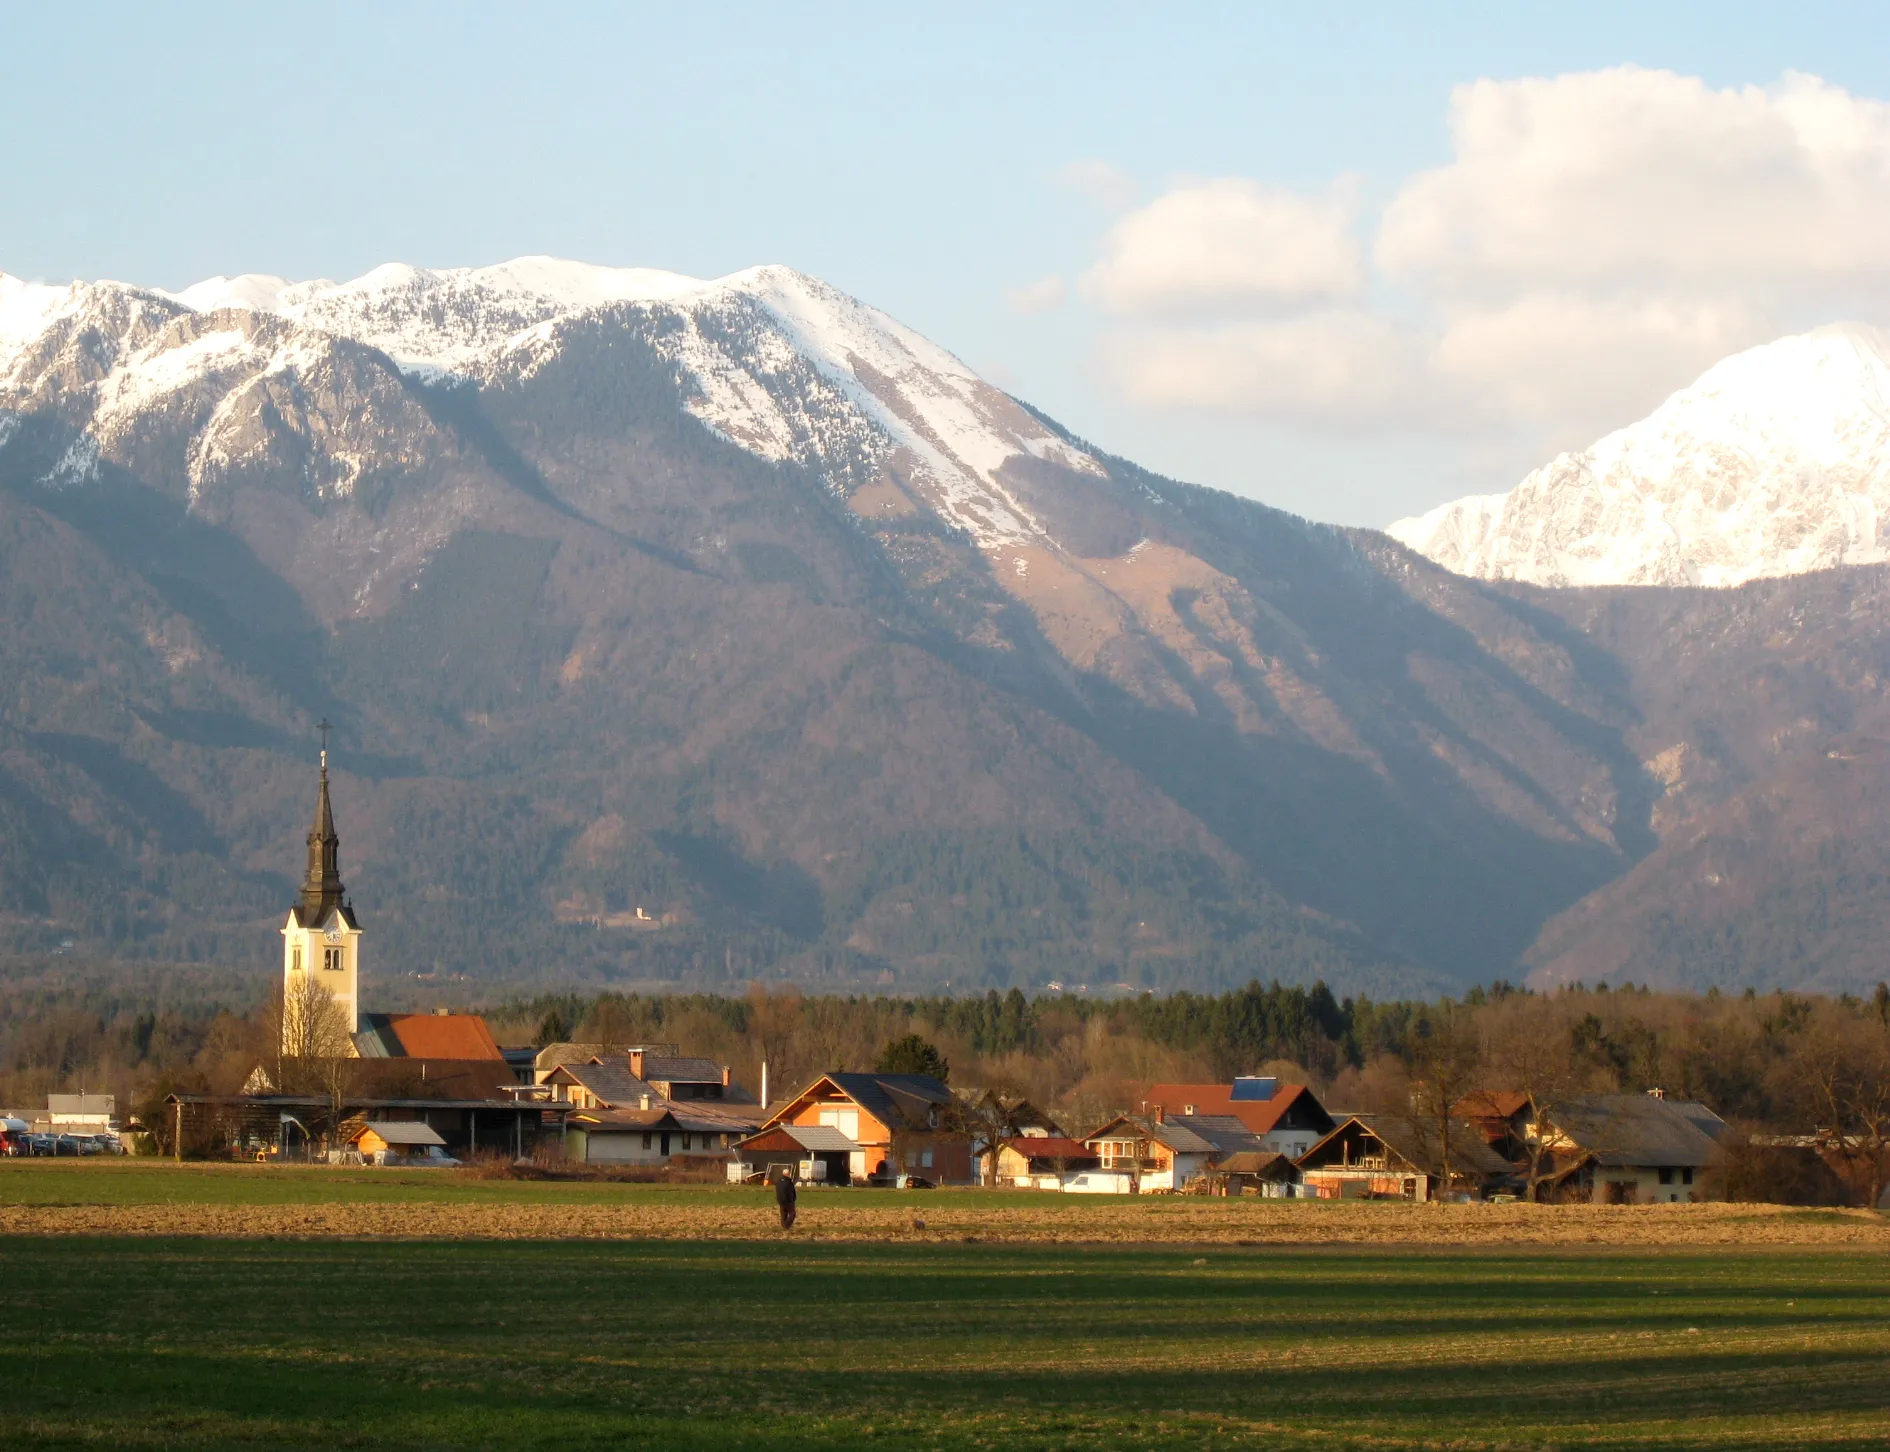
pixel 777 362
pixel 1775 462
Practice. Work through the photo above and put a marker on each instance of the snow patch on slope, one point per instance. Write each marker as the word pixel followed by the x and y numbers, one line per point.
pixel 1775 462
pixel 779 363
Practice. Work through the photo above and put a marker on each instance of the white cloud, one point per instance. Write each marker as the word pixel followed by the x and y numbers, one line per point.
pixel 1103 183
pixel 1596 242
pixel 1640 177
pixel 1045 295
pixel 1340 367
pixel 1575 366
pixel 1215 246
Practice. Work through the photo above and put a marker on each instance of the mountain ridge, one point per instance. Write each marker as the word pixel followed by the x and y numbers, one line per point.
pixel 840 665
pixel 1776 461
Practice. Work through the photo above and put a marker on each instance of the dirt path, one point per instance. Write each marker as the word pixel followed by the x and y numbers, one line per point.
pixel 1030 1219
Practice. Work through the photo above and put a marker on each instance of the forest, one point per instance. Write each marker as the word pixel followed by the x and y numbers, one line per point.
pixel 1779 1063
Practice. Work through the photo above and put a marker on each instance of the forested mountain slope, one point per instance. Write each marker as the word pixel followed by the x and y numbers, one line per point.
pixel 697 632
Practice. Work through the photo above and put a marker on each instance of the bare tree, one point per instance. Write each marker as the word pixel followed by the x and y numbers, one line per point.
pixel 1842 1068
pixel 1528 1047
pixel 1446 1063
pixel 774 1028
pixel 315 1046
pixel 989 1117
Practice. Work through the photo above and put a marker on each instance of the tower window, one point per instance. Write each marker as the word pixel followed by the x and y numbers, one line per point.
pixel 331 959
pixel 295 959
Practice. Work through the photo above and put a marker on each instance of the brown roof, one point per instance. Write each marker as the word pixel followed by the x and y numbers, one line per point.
pixel 444 1036
pixel 432 1078
pixel 1416 1143
pixel 1491 1103
pixel 1256 1162
pixel 1050 1147
pixel 1259 1115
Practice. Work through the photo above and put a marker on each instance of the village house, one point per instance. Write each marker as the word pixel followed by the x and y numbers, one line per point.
pixel 1503 1117
pixel 818 1153
pixel 991 1114
pixel 1623 1149
pixel 1286 1118
pixel 1042 1161
pixel 895 1126
pixel 1152 1152
pixel 1398 1157
pixel 620 1117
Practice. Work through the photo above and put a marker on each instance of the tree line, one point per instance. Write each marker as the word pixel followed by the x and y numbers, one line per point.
pixel 1779 1063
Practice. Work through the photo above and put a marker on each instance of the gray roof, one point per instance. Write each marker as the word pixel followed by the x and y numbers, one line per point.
pixel 613 1084
pixel 681 1070
pixel 1638 1129
pixel 820 1138
pixel 1172 1133
pixel 1226 1133
pixel 404 1131
pixel 893 1099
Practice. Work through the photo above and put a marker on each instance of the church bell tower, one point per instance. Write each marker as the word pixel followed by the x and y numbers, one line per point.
pixel 321 944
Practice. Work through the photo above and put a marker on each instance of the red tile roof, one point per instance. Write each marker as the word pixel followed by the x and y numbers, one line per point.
pixel 444 1036
pixel 1258 1115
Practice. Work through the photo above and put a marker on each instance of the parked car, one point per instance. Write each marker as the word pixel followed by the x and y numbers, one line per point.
pixel 67 1144
pixel 42 1144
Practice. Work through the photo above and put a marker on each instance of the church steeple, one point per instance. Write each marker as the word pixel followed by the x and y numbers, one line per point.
pixel 321 888
pixel 321 941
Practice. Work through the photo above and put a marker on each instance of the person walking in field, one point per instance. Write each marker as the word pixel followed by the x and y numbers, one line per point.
pixel 784 1197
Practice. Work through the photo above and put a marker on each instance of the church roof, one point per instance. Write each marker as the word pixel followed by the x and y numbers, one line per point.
pixel 322 890
pixel 426 1036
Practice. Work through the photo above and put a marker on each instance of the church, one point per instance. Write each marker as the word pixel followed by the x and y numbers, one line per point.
pixel 321 972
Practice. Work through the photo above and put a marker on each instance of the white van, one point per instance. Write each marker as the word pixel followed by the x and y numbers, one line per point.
pixel 1100 1182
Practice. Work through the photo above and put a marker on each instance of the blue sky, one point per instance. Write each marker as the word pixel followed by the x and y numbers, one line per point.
pixel 1012 185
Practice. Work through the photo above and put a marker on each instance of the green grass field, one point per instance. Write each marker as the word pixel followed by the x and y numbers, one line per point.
pixel 165 1342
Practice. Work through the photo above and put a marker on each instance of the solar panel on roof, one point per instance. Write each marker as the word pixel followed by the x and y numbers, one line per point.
pixel 1254 1088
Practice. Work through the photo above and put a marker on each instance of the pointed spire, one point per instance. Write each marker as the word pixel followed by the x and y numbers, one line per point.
pixel 321 889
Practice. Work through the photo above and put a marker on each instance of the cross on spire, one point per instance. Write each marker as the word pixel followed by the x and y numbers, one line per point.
pixel 324 727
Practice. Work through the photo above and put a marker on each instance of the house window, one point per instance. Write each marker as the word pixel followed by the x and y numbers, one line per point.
pixel 925 1159
pixel 646 1141
pixel 331 959
pixel 1666 1176
pixel 685 1142
pixel 1686 1176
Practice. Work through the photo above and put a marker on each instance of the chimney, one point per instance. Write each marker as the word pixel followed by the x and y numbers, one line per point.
pixel 1161 1115
pixel 636 1063
pixel 725 1076
pixel 441 1012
